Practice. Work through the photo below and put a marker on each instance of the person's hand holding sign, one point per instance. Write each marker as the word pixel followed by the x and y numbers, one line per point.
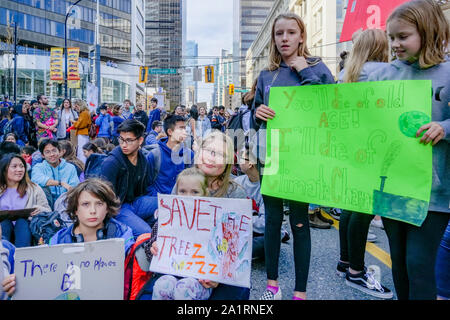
pixel 434 132
pixel 205 283
pixel 264 113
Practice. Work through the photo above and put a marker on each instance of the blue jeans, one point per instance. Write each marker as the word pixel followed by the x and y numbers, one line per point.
pixel 21 232
pixel 139 215
pixel 443 266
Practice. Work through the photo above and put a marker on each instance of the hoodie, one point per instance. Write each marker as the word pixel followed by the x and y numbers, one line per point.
pixel 65 172
pixel 170 168
pixel 104 124
pixel 19 126
pixel 112 229
pixel 5 266
pixel 115 170
pixel 284 76
pixel 440 113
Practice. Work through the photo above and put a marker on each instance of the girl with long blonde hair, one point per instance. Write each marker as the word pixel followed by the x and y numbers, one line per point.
pixel 370 52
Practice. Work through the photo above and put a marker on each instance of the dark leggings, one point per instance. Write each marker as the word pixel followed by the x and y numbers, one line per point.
pixel 302 239
pixel 353 229
pixel 413 254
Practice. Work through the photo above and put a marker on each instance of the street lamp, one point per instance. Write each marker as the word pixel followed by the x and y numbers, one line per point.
pixel 65 44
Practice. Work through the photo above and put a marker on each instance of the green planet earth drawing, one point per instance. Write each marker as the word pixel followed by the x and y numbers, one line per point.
pixel 410 122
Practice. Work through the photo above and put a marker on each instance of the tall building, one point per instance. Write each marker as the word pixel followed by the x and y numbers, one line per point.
pixel 41 26
pixel 224 75
pixel 249 16
pixel 164 35
pixel 323 19
pixel 190 86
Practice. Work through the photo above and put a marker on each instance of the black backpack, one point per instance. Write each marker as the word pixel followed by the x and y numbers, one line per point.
pixel 93 167
pixel 235 127
pixel 45 225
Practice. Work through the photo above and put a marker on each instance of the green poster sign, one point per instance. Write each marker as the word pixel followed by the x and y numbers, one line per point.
pixel 352 146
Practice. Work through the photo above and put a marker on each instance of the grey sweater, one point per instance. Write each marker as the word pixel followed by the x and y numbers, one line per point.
pixel 5 268
pixel 440 113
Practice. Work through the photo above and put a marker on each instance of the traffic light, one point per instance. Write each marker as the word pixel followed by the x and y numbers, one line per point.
pixel 143 74
pixel 231 89
pixel 209 74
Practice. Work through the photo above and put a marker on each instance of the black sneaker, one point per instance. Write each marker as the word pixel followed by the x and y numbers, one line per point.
pixel 321 217
pixel 285 237
pixel 315 222
pixel 335 213
pixel 365 282
pixel 342 268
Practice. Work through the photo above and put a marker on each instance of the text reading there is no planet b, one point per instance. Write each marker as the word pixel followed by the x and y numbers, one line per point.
pixel 352 146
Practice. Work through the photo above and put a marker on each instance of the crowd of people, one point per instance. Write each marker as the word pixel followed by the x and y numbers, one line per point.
pixel 101 170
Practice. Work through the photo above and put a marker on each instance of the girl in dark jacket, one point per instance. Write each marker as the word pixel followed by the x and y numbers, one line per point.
pixel 290 64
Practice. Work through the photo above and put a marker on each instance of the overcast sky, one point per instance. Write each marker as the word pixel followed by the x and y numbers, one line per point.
pixel 210 24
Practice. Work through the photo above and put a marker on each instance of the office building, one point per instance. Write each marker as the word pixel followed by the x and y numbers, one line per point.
pixel 249 16
pixel 164 39
pixel 41 27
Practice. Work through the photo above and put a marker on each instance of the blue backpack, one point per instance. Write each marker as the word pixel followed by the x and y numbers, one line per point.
pixel 8 128
pixel 93 167
pixel 45 225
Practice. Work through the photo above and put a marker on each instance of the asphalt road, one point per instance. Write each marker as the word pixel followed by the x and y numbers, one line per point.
pixel 323 283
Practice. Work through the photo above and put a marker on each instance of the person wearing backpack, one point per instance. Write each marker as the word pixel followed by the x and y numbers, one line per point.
pixel 4 118
pixel 18 125
pixel 17 192
pixel 92 205
pixel 82 128
pixel 104 122
pixel 117 120
pixel 127 169
pixel 173 158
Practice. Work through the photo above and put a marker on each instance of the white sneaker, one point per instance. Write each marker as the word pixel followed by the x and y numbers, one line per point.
pixel 371 237
pixel 377 223
pixel 268 295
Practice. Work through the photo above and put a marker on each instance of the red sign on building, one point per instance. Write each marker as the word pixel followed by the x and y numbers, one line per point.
pixel 367 14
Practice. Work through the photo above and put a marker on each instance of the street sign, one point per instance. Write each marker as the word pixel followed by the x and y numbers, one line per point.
pixel 209 74
pixel 241 90
pixel 162 71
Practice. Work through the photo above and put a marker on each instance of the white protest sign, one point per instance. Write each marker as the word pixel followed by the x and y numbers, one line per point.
pixel 92 97
pixel 205 238
pixel 79 271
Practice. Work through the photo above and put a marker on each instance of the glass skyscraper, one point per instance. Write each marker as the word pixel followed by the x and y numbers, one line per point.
pixel 41 26
pixel 164 45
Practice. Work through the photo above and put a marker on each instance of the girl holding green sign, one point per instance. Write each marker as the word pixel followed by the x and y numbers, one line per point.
pixel 370 52
pixel 290 64
pixel 419 35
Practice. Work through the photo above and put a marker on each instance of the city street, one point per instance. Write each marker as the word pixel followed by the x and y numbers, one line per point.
pixel 323 283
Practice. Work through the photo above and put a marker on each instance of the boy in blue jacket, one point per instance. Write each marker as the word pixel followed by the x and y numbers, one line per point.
pixel 104 123
pixel 174 157
pixel 92 206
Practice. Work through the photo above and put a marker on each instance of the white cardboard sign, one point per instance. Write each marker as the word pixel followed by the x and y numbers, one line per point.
pixel 205 238
pixel 79 271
